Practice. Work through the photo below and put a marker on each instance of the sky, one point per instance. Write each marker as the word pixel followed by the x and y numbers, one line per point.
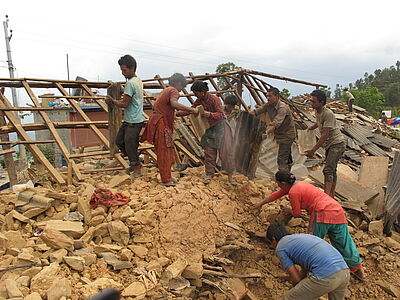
pixel 324 42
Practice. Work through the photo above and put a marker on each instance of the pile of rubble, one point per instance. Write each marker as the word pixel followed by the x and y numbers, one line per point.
pixel 189 241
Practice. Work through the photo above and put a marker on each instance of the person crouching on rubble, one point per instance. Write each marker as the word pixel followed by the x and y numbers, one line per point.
pixel 323 270
pixel 160 126
pixel 326 216
pixel 216 139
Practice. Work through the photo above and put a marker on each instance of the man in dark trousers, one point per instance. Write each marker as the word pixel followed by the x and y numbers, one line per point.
pixel 282 126
pixel 127 138
pixel 331 139
pixel 323 269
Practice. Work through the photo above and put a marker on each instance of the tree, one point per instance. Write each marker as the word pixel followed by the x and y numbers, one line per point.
pixel 327 91
pixel 285 93
pixel 337 94
pixel 222 68
pixel 371 99
pixel 392 94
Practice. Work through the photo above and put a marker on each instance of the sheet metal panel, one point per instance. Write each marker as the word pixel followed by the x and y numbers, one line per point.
pixel 249 130
pixel 392 197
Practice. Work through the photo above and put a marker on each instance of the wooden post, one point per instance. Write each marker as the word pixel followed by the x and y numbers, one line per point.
pixel 69 174
pixel 8 158
pixel 114 116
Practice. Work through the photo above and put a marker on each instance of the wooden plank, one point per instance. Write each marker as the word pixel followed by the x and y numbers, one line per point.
pixel 347 187
pixel 28 108
pixel 87 154
pixel 152 154
pixel 51 128
pixel 187 152
pixel 8 158
pixel 83 115
pixel 7 151
pixel 200 124
pixel 93 96
pixel 374 173
pixel 37 154
pixel 114 116
pixel 25 142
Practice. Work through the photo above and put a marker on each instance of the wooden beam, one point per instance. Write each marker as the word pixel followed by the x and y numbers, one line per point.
pixel 37 154
pixel 7 151
pixel 101 103
pixel 187 152
pixel 8 159
pixel 28 108
pixel 114 116
pixel 87 154
pixel 52 130
pixel 14 143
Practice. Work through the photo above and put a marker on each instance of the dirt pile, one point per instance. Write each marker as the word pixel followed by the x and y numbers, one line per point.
pixel 189 241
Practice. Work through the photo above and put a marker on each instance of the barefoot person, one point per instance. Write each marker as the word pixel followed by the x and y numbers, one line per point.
pixel 326 216
pixel 160 126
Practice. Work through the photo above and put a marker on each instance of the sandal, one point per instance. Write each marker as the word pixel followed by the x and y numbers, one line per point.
pixel 207 180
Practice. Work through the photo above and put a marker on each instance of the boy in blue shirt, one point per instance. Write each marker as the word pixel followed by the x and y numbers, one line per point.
pixel 323 269
pixel 127 138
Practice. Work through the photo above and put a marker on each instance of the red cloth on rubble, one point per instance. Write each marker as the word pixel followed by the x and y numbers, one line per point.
pixel 107 198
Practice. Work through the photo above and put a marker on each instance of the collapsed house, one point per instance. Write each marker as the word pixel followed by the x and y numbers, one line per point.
pixel 189 241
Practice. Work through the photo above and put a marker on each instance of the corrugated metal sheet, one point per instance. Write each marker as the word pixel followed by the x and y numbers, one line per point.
pixel 384 142
pixel 374 150
pixel 353 155
pixel 392 198
pixel 267 162
pixel 249 130
pixel 358 133
pixel 351 144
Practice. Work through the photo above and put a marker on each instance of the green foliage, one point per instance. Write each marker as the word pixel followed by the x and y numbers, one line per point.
pixel 338 93
pixel 49 152
pixel 386 80
pixel 222 68
pixel 285 93
pixel 392 94
pixel 371 99
pixel 327 91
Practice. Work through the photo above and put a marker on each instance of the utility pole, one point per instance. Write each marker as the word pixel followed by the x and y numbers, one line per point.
pixel 22 151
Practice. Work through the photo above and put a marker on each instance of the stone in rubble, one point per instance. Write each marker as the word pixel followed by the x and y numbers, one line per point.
pixel 83 203
pixel 71 228
pixel 57 255
pixel 119 232
pixel 90 259
pixel 375 227
pixel 33 296
pixel 12 289
pixel 107 248
pixel 134 289
pixel 101 230
pixel 96 220
pixel 113 261
pixel 42 281
pixel 118 180
pixel 127 213
pixel 193 271
pixel 175 269
pixel 15 239
pixel 75 262
pixel 57 240
pixel 60 288
pixel 126 254
pixel 106 283
pixel 145 216
pixel 139 251
pixel 389 288
pixel 87 237
pixel 294 222
pixel 392 244
pixel 3 242
pixel 23 281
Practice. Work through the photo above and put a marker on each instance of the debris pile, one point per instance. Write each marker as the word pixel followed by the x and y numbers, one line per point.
pixel 189 241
